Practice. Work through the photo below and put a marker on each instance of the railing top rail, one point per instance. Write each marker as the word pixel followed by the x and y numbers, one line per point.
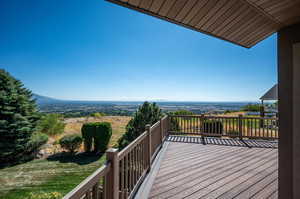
pixel 243 117
pixel 225 117
pixel 155 125
pixel 263 118
pixel 186 115
pixel 88 183
pixel 129 147
pixel 165 117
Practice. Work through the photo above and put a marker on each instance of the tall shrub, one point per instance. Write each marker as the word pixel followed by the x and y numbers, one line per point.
pixel 18 118
pixel 102 136
pixel 87 132
pixel 98 133
pixel 148 113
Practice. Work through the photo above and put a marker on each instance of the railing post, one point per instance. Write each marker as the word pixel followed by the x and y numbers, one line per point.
pixel 202 117
pixel 169 124
pixel 202 124
pixel 112 178
pixel 148 129
pixel 240 126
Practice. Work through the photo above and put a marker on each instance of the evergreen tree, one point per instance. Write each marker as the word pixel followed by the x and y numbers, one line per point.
pixel 18 118
pixel 148 113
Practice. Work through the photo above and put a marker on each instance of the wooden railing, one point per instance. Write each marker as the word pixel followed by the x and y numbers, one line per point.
pixel 124 171
pixel 241 126
pixel 92 187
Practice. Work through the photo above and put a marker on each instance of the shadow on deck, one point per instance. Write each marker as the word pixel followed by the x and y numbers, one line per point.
pixel 220 168
pixel 224 142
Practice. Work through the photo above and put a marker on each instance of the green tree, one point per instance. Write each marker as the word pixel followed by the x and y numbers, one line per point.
pixel 97 114
pixel 251 107
pixel 148 113
pixel 175 122
pixel 182 112
pixel 18 118
pixel 51 124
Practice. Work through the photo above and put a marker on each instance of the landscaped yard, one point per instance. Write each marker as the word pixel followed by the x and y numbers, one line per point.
pixel 60 172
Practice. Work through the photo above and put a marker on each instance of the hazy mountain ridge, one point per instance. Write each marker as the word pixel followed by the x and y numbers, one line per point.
pixel 45 100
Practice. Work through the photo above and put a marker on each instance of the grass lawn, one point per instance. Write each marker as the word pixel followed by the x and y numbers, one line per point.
pixel 58 173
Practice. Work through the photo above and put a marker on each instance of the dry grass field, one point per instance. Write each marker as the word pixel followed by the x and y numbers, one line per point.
pixel 73 125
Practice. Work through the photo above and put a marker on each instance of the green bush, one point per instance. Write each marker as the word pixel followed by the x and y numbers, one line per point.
pixel 148 113
pixel 183 112
pixel 97 132
pixel 87 132
pixel 71 142
pixel 18 118
pixel 51 124
pixel 174 122
pixel 102 136
pixel 97 114
pixel 252 107
pixel 36 141
pixel 212 127
pixel 43 195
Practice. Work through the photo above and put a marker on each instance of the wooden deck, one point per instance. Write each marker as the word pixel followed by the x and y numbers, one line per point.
pixel 219 169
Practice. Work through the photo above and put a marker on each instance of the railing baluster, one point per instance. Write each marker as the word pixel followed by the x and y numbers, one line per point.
pixel 95 191
pixel 148 129
pixel 122 178
pixel 136 165
pixel 161 131
pixel 226 124
pixel 104 192
pixel 129 171
pixel 140 159
pixel 256 125
pixel 184 124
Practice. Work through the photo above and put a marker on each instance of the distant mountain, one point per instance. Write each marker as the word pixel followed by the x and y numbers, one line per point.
pixel 44 100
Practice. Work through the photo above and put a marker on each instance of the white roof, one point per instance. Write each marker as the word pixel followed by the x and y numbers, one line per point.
pixel 271 94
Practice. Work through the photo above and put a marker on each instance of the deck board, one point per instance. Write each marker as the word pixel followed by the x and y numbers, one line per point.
pixel 223 169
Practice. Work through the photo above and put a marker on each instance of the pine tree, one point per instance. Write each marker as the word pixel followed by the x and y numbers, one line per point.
pixel 18 118
pixel 148 113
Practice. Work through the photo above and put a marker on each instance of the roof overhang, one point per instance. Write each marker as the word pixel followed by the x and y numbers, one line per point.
pixel 243 22
pixel 271 94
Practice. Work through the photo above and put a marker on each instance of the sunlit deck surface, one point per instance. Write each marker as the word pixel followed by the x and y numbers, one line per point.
pixel 221 168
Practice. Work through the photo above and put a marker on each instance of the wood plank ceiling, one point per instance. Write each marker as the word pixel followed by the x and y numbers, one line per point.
pixel 243 22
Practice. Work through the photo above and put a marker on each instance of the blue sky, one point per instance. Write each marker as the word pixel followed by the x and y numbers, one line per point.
pixel 95 50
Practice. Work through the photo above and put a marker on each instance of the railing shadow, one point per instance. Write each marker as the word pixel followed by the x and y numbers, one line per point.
pixel 250 143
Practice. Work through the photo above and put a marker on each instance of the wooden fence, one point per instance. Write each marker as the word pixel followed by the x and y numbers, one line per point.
pixel 124 171
pixel 241 126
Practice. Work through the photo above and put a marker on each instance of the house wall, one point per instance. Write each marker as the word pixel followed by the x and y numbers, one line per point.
pixel 289 111
pixel 296 117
